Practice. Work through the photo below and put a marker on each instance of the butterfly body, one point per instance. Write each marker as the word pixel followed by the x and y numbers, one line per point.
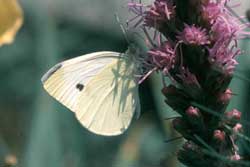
pixel 100 88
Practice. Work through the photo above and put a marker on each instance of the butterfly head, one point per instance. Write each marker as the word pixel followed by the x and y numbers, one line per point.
pixel 133 49
pixel 140 61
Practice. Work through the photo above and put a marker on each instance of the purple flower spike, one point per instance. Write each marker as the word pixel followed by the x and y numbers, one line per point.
pixel 152 16
pixel 211 11
pixel 193 112
pixel 199 57
pixel 223 57
pixel 225 96
pixel 235 157
pixel 223 23
pixel 219 135
pixel 163 57
pixel 160 12
pixel 224 28
pixel 192 35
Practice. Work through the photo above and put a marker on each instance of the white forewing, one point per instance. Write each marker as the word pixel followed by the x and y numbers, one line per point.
pixel 100 89
pixel 61 80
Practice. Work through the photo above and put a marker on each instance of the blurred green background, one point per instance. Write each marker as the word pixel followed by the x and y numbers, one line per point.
pixel 39 132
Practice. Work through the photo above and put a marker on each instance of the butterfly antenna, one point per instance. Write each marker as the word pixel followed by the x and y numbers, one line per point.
pixel 124 31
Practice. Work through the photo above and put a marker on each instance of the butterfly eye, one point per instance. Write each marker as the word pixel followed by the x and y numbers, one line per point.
pixel 79 86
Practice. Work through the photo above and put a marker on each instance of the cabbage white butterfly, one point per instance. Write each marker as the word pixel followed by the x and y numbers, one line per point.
pixel 100 88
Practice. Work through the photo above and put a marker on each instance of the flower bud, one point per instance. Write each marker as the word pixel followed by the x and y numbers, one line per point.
pixel 233 115
pixel 219 135
pixel 190 152
pixel 193 112
pixel 195 119
pixel 190 146
pixel 235 157
pixel 237 128
pixel 225 97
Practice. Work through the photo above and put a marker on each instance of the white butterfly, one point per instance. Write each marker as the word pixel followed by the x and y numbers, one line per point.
pixel 100 88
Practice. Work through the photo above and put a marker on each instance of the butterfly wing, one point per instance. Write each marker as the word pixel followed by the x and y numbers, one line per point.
pixel 99 88
pixel 110 99
pixel 65 80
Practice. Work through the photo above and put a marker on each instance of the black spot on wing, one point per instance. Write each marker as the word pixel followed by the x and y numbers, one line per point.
pixel 79 86
pixel 51 72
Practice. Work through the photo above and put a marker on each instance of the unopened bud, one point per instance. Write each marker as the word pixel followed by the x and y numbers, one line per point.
pixel 195 119
pixel 233 115
pixel 188 146
pixel 190 151
pixel 235 157
pixel 193 112
pixel 219 135
pixel 225 96
pixel 237 128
